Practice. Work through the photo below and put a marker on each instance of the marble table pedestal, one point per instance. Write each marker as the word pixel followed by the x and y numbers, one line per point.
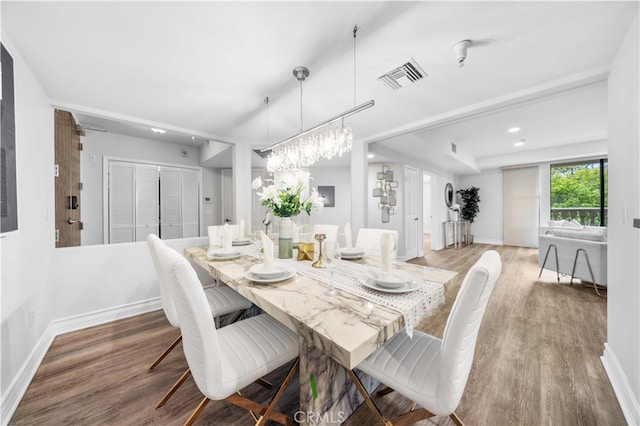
pixel 328 396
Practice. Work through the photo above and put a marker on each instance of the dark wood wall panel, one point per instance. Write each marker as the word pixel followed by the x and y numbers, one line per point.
pixel 67 157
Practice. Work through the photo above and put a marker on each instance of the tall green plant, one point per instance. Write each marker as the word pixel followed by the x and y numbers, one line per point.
pixel 470 200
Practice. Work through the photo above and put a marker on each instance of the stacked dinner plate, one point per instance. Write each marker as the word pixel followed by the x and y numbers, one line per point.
pixel 241 242
pixel 394 281
pixel 223 254
pixel 350 253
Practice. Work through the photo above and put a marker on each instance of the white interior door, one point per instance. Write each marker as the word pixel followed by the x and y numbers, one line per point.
pixel 190 203
pixel 412 232
pixel 170 207
pixel 521 207
pixel 122 198
pixel 227 196
pixel 147 208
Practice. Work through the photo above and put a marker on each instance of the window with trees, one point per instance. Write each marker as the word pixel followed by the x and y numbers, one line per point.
pixel 579 192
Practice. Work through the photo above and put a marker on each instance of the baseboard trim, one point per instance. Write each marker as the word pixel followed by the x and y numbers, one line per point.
pixel 90 319
pixel 621 387
pixel 19 385
pixel 490 242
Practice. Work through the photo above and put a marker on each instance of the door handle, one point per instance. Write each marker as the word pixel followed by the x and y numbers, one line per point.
pixel 71 221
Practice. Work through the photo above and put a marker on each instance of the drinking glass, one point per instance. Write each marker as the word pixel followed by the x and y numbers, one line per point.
pixel 332 261
pixel 257 240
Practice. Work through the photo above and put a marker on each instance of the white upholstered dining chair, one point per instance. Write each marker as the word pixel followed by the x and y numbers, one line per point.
pixel 430 371
pixel 224 361
pixel 369 240
pixel 330 231
pixel 222 300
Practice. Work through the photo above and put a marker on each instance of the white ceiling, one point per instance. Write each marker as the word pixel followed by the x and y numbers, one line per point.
pixel 203 69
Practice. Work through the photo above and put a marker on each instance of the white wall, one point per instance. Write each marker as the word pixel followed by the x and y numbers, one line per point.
pixel 26 254
pixel 487 226
pixel 96 278
pixel 622 351
pixel 340 179
pixel 97 145
pixel 46 284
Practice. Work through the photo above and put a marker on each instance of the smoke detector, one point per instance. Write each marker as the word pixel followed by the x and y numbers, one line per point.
pixel 460 49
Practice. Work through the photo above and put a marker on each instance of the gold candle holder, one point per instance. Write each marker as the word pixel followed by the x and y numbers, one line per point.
pixel 319 263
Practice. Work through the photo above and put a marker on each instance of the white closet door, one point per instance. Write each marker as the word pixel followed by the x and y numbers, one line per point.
pixel 147 208
pixel 122 200
pixel 227 196
pixel 412 235
pixel 190 203
pixel 170 206
pixel 521 207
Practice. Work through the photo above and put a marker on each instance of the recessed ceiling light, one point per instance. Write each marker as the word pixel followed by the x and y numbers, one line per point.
pixel 370 156
pixel 514 130
pixel 159 131
pixel 519 143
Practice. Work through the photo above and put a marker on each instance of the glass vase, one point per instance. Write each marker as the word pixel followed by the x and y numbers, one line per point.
pixel 285 238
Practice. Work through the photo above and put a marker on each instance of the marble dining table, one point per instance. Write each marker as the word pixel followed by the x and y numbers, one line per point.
pixel 336 332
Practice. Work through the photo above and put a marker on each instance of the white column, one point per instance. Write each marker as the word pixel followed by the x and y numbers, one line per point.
pixel 242 183
pixel 359 186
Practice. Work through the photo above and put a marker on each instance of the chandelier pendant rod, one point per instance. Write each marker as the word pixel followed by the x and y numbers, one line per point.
pixel 347 113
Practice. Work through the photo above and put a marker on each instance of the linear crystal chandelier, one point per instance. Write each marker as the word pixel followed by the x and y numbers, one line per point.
pixel 326 140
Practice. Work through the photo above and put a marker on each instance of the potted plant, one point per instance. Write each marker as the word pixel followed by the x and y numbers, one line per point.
pixel 470 200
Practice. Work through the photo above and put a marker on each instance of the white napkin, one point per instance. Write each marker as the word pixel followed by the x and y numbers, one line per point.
pixel 214 239
pixel 347 235
pixel 241 230
pixel 387 246
pixel 267 247
pixel 228 237
pixel 296 234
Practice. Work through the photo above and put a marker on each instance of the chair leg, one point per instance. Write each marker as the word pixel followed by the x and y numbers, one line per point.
pixel 544 262
pixel 456 419
pixel 175 387
pixel 276 398
pixel 192 418
pixel 382 392
pixel 254 407
pixel 264 383
pixel 575 262
pixel 237 316
pixel 367 399
pixel 165 353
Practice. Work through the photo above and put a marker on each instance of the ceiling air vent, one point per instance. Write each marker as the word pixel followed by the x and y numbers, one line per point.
pixel 403 75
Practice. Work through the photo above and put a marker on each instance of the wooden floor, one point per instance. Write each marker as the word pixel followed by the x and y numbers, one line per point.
pixel 537 362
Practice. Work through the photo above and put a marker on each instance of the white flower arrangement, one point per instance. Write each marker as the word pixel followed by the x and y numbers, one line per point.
pixel 284 199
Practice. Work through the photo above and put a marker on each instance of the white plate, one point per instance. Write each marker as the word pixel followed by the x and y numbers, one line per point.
pixel 241 242
pixel 285 275
pixel 394 279
pixel 405 288
pixel 223 253
pixel 351 251
pixel 351 256
pixel 225 257
pixel 260 271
